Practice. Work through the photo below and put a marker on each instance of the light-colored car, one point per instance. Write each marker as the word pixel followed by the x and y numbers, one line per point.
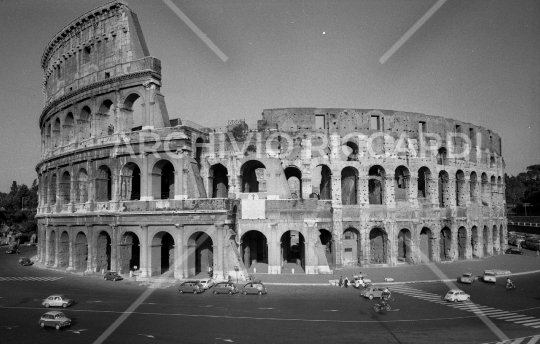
pixel 490 276
pixel 191 287
pixel 254 288
pixel 467 277
pixel 455 295
pixel 112 276
pixel 361 281
pixel 57 300
pixel 225 288
pixel 207 283
pixel 372 292
pixel 55 319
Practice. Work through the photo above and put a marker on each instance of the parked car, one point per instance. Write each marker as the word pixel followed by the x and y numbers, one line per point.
pixel 513 251
pixel 455 295
pixel 191 287
pixel 489 276
pixel 372 292
pixel 112 276
pixel 207 283
pixel 57 300
pixel 25 261
pixel 254 288
pixel 467 277
pixel 55 319
pixel 225 288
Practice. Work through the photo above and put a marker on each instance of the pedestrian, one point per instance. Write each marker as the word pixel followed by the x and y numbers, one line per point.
pixel 346 282
pixel 340 283
pixel 210 271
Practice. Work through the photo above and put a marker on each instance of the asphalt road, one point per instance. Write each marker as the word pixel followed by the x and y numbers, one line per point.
pixel 286 315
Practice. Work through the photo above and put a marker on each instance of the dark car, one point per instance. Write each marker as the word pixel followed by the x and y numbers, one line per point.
pixel 513 251
pixel 191 287
pixel 225 288
pixel 25 261
pixel 55 319
pixel 254 288
pixel 112 276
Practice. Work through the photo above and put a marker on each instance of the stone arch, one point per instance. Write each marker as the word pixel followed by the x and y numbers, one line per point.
pixel 352 148
pixel 254 247
pixel 65 188
pixel 129 253
pixel 424 191
pixel 426 248
pixel 445 244
pixel 444 189
pixel 219 180
pixel 473 187
pixel 404 246
pixel 485 189
pixel 460 189
pixel 44 190
pixel 493 193
pixel 349 186
pixel 293 251
pixel 401 183
pixel 485 235
pixel 68 129
pixel 199 145
pixel 441 156
pixel 163 180
pixel 294 179
pixel 253 176
pixel 492 162
pixel 476 247
pixel 327 241
pixel 133 112
pixel 502 242
pixel 500 189
pixel 63 250
pixel 378 240
pixel 462 243
pixel 104 119
pixel 351 246
pixel 84 124
pixel 494 239
pixel 103 184
pixel 52 248
pixel 82 186
pixel 376 183
pixel 103 251
pixel 53 195
pixel 200 253
pixel 162 253
pixel 322 182
pixel 80 252
pixel 130 182
pixel 57 138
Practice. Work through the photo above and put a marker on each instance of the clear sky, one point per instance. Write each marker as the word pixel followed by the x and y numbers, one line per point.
pixel 473 60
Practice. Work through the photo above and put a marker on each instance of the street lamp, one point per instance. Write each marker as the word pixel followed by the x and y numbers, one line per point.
pixel 525 205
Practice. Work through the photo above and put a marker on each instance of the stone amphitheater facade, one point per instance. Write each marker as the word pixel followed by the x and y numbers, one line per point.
pixel 125 187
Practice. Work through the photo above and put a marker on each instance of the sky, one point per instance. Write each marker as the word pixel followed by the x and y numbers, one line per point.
pixel 476 61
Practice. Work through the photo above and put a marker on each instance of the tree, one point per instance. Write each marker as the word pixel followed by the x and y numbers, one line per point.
pixel 514 189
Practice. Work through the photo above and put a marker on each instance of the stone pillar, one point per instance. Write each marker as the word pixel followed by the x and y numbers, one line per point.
pixel 71 247
pixel 218 252
pixel 337 233
pixel 114 248
pixel 454 252
pixel 178 252
pixel 336 188
pixel 334 147
pixel 146 180
pixel 412 188
pixel 311 263
pixel 452 192
pixel 145 246
pixel 47 246
pixel 433 193
pixel 91 182
pixel 391 230
pixel 57 247
pixel 185 257
pixel 436 247
pixel 91 254
pixel 389 192
pixel 363 190
pixel 467 191
pixel 274 250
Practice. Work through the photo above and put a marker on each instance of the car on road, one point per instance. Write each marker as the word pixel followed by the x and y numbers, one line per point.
pixel 513 251
pixel 191 287
pixel 54 319
pixel 112 276
pixel 490 276
pixel 25 261
pixel 467 277
pixel 225 288
pixel 207 283
pixel 455 295
pixel 57 300
pixel 254 288
pixel 372 292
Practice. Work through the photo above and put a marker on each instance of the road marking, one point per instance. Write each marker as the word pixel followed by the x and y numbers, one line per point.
pixel 525 321
pixel 532 323
pixel 329 310
pixel 206 306
pixel 265 308
pixel 226 340
pixel 146 335
pixel 31 279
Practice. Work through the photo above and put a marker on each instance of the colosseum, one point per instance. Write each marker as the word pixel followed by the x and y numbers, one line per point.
pixel 125 186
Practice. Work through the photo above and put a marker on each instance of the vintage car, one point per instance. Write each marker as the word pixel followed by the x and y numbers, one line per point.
pixel 254 288
pixel 490 276
pixel 54 319
pixel 112 276
pixel 361 281
pixel 372 292
pixel 455 295
pixel 25 261
pixel 225 288
pixel 57 300
pixel 467 277
pixel 191 287
pixel 207 283
pixel 513 251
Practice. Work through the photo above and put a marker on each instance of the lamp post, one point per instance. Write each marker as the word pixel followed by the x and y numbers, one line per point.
pixel 525 205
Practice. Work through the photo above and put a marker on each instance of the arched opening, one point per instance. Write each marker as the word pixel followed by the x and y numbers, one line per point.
pixel 52 248
pixel 103 184
pixel 294 180
pixel 255 251
pixel 48 137
pixel 162 253
pixel 200 254
pixel 84 124
pixel 253 176
pixel 133 110
pixel 82 186
pixel 401 183
pixel 324 176
pixel 485 235
pixel 130 182
pixel 53 198
pixel 492 162
pixel 129 253
pixel 495 242
pixel 327 243
pixel 445 243
pixel 500 189
pixel 352 151
pixel 426 247
pixel 378 246
pixel 105 119
pixel 476 248
pixel 57 138
pixel 485 189
pixel 65 188
pixel 376 184
pixel 444 192
pixel 103 252
pixel 69 129
pixel 462 243
pixel 461 199
pixel 424 175
pixel 198 151
pixel 44 190
pixel 501 238
pixel 292 252
pixel 163 180
pixel 351 247
pixel 404 250
pixel 63 250
pixel 473 186
pixel 441 156
pixel 219 180
pixel 349 186
pixel 493 194
pixel 80 252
